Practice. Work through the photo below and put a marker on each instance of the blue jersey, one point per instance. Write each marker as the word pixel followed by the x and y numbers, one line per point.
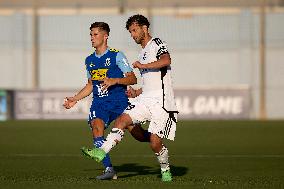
pixel 109 104
pixel 111 64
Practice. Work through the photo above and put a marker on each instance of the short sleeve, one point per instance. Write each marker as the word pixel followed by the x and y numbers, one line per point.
pixel 88 74
pixel 160 47
pixel 122 63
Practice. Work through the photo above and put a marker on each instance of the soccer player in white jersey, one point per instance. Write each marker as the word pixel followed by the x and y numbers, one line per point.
pixel 153 102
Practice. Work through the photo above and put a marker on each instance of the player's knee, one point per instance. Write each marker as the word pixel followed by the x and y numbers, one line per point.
pixel 155 146
pixel 122 122
pixel 97 128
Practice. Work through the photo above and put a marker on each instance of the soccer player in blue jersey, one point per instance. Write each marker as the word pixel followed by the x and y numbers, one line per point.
pixel 108 75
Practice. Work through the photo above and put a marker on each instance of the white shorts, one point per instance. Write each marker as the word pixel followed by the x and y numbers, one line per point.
pixel 162 123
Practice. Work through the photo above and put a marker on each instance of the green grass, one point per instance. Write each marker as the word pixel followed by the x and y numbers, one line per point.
pixel 205 154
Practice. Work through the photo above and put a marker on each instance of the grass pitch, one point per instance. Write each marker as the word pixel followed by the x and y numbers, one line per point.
pixel 205 154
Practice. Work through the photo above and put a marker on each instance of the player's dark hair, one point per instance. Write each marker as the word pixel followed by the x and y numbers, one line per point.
pixel 139 19
pixel 101 25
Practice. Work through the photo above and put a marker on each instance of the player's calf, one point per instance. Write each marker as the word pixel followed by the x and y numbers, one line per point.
pixel 139 133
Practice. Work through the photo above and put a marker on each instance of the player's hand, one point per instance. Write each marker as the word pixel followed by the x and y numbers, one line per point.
pixel 69 102
pixel 138 65
pixel 107 82
pixel 131 93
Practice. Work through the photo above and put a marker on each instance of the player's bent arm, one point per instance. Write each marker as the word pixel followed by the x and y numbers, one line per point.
pixel 129 79
pixel 132 93
pixel 164 61
pixel 86 91
pixel 138 91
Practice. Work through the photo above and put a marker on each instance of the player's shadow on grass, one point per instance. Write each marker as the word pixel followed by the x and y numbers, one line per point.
pixel 133 169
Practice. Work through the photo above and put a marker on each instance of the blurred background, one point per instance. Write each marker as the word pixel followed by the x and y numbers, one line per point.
pixel 227 55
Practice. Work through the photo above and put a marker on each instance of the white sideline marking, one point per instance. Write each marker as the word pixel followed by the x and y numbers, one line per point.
pixel 151 156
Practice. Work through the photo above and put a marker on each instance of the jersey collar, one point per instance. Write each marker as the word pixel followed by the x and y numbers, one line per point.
pixel 148 42
pixel 100 55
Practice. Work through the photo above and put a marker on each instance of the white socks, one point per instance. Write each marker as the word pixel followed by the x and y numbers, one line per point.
pixel 116 135
pixel 112 139
pixel 163 158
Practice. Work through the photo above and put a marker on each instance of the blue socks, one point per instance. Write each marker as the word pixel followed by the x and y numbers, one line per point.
pixel 98 142
pixel 147 135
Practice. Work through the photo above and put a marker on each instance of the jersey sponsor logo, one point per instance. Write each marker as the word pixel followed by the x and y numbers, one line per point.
pixel 107 63
pixel 98 74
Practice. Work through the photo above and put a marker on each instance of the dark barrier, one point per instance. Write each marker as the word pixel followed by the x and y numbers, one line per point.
pixel 3 105
pixel 48 105
pixel 197 103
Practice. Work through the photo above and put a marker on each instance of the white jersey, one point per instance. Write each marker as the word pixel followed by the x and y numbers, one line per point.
pixel 157 83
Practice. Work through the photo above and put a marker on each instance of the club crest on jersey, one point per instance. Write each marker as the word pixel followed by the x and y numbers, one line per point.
pixel 107 63
pixel 144 56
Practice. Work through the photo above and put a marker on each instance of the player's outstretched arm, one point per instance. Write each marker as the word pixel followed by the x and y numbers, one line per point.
pixel 69 102
pixel 129 79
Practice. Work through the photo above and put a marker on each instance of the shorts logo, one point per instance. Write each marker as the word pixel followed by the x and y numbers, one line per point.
pixel 99 74
pixel 131 106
